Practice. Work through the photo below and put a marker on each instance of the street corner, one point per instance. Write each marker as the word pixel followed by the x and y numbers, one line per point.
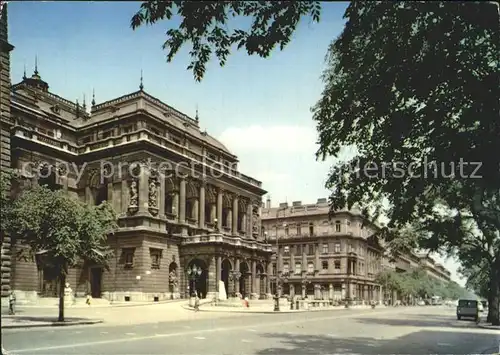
pixel 17 322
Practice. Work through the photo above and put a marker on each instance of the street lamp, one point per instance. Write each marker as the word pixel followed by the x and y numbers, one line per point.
pixel 281 278
pixel 216 224
pixel 193 273
pixel 305 281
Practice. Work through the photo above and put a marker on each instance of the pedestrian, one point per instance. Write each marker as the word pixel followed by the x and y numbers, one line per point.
pixel 12 303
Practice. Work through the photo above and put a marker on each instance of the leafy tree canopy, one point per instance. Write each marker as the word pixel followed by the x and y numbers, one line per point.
pixel 63 230
pixel 413 86
pixel 206 26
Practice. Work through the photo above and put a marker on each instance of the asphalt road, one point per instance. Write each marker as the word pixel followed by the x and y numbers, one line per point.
pixel 423 330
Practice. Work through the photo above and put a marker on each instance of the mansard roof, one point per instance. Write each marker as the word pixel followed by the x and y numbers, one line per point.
pixel 34 94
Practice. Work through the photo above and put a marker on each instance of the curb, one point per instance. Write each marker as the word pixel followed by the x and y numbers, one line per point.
pixel 485 326
pixel 111 305
pixel 53 324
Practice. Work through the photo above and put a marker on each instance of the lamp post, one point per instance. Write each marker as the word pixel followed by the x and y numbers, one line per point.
pixel 216 226
pixel 281 278
pixel 194 273
pixel 305 281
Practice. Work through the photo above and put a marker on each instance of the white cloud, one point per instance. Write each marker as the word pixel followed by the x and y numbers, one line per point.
pixel 286 139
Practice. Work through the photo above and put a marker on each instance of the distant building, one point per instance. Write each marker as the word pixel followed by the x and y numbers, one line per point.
pixel 335 256
pixel 322 256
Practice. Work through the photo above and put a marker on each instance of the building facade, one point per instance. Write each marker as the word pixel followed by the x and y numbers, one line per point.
pixel 188 219
pixel 5 126
pixel 321 256
pixel 332 256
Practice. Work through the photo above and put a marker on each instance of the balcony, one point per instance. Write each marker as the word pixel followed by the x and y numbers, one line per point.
pixel 217 238
pixel 29 133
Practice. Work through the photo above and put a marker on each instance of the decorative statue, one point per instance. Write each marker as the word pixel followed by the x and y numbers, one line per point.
pixel 133 193
pixel 255 219
pixel 172 277
pixel 153 194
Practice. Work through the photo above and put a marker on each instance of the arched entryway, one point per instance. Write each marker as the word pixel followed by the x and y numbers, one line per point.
pixel 244 279
pixel 197 275
pixel 173 278
pixel 226 268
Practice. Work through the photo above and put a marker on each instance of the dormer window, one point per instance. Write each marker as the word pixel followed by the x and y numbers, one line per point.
pixel 55 109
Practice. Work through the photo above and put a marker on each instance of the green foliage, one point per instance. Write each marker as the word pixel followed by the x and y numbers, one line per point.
pixel 61 229
pixel 205 24
pixel 418 283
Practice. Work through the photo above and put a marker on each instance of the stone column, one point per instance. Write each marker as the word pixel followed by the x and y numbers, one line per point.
pixel 182 201
pixel 292 261
pixel 175 204
pixel 317 262
pixel 219 209
pixel 212 279
pixel 249 219
pixel 143 190
pixel 366 298
pixel 279 261
pixel 237 282
pixel 218 272
pixel 253 287
pixel 201 215
pixel 304 258
pixel 268 277
pixel 244 222
pixel 235 215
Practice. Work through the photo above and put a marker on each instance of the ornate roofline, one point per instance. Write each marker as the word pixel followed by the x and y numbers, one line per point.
pixel 140 93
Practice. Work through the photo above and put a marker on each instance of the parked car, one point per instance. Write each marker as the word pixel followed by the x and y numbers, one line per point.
pixel 468 308
pixel 421 303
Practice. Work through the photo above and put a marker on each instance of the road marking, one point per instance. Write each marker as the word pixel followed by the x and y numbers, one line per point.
pixel 443 344
pixel 245 341
pixel 191 332
pixel 200 338
pixel 78 332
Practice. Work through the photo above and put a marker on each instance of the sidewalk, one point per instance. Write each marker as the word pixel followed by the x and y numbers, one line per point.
pixel 110 316
pixel 12 322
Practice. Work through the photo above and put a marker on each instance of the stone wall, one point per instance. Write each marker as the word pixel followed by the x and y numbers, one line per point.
pixel 5 137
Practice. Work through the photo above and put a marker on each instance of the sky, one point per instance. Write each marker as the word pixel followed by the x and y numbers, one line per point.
pixel 259 108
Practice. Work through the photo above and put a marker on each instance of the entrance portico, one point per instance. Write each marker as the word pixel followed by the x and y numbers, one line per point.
pixel 239 263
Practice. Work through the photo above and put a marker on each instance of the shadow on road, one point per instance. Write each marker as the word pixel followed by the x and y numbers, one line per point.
pixel 422 342
pixel 421 320
pixel 24 319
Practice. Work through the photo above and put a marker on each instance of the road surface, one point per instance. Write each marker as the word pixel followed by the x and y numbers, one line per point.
pixel 422 330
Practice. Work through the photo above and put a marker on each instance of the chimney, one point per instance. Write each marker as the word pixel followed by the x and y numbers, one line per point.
pixel 268 202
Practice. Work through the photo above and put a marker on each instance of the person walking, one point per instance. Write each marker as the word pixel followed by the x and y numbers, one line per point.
pixel 196 303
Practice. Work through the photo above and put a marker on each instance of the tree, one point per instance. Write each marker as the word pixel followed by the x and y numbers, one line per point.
pixel 204 24
pixel 413 86
pixel 62 229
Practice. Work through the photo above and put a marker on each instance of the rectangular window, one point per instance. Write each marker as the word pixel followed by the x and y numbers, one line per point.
pixel 128 257
pixel 337 226
pixel 311 230
pixel 299 250
pixel 286 249
pixel 337 247
pixel 311 249
pixel 299 229
pixel 155 258
pixel 337 265
pixel 298 268
pixel 310 268
pixel 286 268
pixel 324 265
pixel 325 248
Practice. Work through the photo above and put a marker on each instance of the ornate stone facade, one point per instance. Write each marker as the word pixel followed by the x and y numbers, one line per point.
pixel 181 201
